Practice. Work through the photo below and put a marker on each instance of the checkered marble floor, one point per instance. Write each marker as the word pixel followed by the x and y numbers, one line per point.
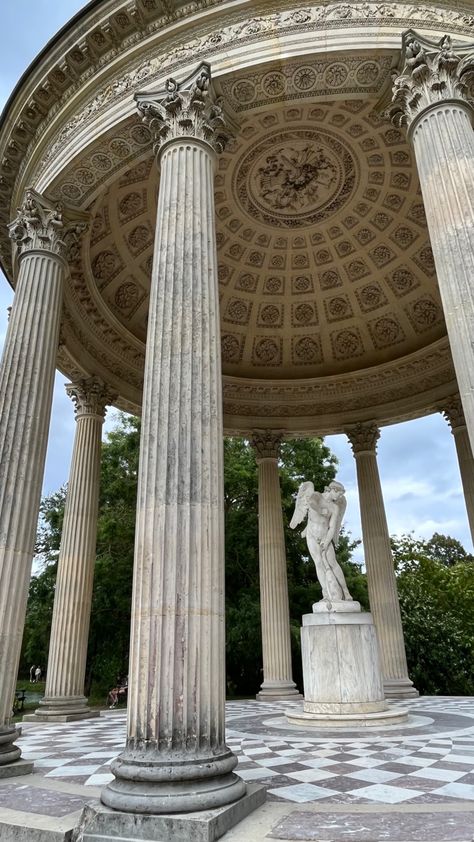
pixel 431 760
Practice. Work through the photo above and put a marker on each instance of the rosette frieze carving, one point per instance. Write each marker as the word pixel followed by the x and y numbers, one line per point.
pixel 42 225
pixel 431 73
pixel 363 437
pixel 90 396
pixel 453 412
pixel 185 109
pixel 266 443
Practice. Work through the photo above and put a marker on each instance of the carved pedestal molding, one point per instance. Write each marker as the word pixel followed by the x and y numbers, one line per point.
pixel 43 241
pixel 276 646
pixel 64 698
pixel 381 580
pixel 431 97
pixel 453 412
pixel 176 759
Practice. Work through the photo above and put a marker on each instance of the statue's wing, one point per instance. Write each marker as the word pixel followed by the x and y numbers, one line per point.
pixel 341 505
pixel 301 505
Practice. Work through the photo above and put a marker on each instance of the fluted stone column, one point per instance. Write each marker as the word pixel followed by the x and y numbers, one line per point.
pixel 176 759
pixel 431 97
pixel 453 412
pixel 381 579
pixel 41 238
pixel 276 646
pixel 64 698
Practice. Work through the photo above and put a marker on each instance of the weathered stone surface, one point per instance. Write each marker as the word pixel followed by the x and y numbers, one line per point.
pixel 381 580
pixel 276 646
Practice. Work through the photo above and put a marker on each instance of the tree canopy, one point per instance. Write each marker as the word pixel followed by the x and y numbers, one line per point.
pixel 435 577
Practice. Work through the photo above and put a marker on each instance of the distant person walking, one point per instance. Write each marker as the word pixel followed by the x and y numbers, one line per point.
pixel 32 673
pixel 37 674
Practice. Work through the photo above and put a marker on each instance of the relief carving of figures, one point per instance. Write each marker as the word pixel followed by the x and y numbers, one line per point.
pixel 292 178
pixel 325 512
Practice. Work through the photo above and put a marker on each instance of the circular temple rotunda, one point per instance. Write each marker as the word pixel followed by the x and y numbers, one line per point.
pixel 250 218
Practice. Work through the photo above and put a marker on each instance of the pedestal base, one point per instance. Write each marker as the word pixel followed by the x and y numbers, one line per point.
pixel 341 672
pixel 19 767
pixel 348 720
pixel 278 691
pixel 99 823
pixel 61 709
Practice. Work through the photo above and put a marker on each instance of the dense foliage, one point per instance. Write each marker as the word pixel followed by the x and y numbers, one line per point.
pixel 435 577
pixel 436 590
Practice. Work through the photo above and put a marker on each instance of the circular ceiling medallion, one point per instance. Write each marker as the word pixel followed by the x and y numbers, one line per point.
pixel 296 177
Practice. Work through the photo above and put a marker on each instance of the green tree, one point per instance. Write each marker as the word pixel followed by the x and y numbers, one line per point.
pixel 437 606
pixel 300 459
pixel 110 618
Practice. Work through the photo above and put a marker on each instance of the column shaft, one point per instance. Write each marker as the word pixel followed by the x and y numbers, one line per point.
pixel 26 388
pixel 444 147
pixel 64 693
pixel 466 469
pixel 276 646
pixel 176 758
pixel 381 578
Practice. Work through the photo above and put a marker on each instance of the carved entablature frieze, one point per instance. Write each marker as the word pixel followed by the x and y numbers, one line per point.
pixel 101 40
pixel 430 72
pixel 363 437
pixel 90 396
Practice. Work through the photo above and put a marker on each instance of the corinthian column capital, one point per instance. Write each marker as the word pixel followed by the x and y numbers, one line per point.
pixel 90 396
pixel 185 109
pixel 363 437
pixel 430 72
pixel 453 412
pixel 266 443
pixel 42 225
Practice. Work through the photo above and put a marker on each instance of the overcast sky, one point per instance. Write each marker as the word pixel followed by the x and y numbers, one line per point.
pixel 417 460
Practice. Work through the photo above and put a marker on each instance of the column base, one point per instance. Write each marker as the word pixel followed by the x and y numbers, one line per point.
pixel 278 691
pixel 14 770
pixel 146 783
pixel 99 823
pixel 61 709
pixel 9 752
pixel 399 688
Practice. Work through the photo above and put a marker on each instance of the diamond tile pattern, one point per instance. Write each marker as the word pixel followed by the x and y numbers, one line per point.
pixel 432 760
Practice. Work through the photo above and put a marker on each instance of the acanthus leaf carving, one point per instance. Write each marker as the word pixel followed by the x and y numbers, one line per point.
pixel 363 437
pixel 41 225
pixel 90 396
pixel 186 109
pixel 431 72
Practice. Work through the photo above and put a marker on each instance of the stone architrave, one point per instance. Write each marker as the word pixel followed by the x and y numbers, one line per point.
pixel 454 415
pixel 64 698
pixel 433 97
pixel 276 645
pixel 381 579
pixel 176 759
pixel 43 242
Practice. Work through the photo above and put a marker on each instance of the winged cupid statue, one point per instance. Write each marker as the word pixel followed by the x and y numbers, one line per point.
pixel 324 512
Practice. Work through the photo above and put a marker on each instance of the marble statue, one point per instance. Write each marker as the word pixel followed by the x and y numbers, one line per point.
pixel 325 512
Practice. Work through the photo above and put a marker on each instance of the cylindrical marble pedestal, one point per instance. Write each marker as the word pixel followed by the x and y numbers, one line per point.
pixel 341 673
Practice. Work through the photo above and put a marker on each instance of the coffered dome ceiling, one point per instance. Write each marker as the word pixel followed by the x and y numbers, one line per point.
pixel 325 265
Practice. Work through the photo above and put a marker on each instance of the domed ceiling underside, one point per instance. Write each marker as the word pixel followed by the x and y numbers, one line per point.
pixel 325 265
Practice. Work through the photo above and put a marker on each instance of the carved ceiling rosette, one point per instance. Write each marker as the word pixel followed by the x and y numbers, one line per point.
pixel 431 72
